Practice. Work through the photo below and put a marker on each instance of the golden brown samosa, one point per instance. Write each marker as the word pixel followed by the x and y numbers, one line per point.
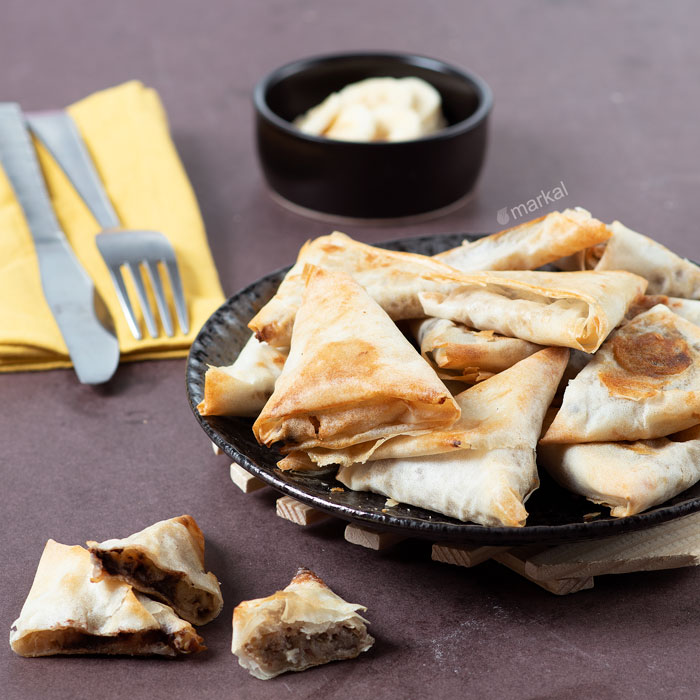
pixel 489 487
pixel 571 309
pixel 644 383
pixel 243 388
pixel 351 375
pixel 530 244
pixel 666 272
pixel 628 477
pixel 504 411
pixel 392 278
pixel 482 470
pixel 463 354
pixel 688 309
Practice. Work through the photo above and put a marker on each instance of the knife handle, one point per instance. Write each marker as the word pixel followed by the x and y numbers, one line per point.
pixel 58 132
pixel 18 159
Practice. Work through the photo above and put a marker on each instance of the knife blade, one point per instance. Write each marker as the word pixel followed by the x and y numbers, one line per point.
pixel 80 313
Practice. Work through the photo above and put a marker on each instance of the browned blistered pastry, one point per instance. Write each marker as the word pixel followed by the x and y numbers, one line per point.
pixel 644 383
pixel 351 375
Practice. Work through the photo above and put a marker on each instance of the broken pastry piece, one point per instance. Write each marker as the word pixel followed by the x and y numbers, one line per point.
pixel 166 561
pixel 304 625
pixel 66 613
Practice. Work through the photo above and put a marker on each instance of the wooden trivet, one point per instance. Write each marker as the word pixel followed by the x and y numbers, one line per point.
pixel 559 569
pixel 245 481
pixel 299 513
pixel 371 538
pixel 463 555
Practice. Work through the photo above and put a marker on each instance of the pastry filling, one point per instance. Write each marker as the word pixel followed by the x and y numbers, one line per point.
pixel 69 641
pixel 170 587
pixel 289 648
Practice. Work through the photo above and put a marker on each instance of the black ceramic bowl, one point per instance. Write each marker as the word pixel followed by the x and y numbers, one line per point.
pixel 370 180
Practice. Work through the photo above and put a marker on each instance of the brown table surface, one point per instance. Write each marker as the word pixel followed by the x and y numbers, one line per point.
pixel 602 96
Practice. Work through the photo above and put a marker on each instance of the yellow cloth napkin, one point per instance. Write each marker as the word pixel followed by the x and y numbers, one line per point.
pixel 126 132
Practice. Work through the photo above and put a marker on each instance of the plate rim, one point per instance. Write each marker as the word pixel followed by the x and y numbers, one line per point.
pixel 464 532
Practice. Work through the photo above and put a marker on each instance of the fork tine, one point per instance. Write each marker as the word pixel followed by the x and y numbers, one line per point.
pixel 178 295
pixel 148 317
pixel 116 275
pixel 161 302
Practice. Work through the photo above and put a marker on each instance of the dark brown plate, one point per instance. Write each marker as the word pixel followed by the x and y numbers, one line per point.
pixel 555 514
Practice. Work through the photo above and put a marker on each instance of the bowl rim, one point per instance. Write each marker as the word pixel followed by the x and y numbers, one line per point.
pixel 437 65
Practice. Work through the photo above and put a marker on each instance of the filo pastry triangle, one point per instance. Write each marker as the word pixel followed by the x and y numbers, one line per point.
pixel 667 272
pixel 166 561
pixel 462 354
pixel 392 278
pixel 485 470
pixel 628 477
pixel 351 375
pixel 505 410
pixel 688 309
pixel 571 309
pixel 531 244
pixel 66 613
pixel 243 388
pixel 643 383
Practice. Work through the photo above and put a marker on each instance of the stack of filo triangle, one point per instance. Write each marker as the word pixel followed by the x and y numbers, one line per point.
pixel 479 314
pixel 355 392
pixel 628 432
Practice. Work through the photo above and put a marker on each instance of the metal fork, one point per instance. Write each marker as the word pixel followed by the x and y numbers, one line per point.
pixel 134 250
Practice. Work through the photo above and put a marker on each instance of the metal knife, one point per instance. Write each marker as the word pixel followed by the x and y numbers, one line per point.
pixel 80 313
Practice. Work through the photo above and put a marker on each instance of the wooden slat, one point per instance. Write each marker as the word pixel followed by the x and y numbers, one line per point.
pixel 515 559
pixel 299 513
pixel 461 555
pixel 371 539
pixel 245 481
pixel 667 546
